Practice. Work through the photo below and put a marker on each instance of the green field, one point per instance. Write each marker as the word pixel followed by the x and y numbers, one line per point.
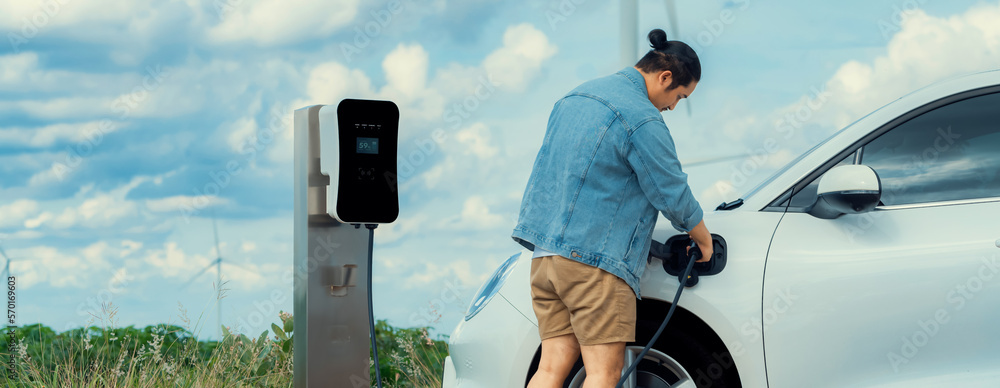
pixel 170 356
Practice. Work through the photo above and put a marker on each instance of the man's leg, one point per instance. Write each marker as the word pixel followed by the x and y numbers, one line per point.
pixel 559 353
pixel 604 363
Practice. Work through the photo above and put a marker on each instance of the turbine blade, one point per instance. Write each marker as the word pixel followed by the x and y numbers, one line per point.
pixel 672 16
pixel 675 31
pixel 629 30
pixel 215 230
pixel 238 265
pixel 193 278
pixel 6 266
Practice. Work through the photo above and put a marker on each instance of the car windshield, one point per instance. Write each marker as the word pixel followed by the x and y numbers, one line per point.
pixel 789 165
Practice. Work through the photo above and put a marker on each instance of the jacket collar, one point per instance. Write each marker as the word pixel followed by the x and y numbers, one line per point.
pixel 636 77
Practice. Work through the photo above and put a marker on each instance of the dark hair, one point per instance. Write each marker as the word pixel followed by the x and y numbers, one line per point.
pixel 672 55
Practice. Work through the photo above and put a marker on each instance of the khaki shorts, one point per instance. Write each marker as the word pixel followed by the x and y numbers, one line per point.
pixel 571 297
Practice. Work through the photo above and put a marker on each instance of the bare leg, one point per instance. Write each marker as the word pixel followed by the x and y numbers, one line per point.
pixel 603 363
pixel 558 356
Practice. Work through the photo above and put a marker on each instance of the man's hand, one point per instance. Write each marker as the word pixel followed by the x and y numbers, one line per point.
pixel 703 238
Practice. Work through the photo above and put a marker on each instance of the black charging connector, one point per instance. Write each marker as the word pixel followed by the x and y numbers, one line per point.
pixel 672 254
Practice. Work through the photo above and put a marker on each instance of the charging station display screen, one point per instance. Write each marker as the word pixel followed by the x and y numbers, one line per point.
pixel 368 137
pixel 368 145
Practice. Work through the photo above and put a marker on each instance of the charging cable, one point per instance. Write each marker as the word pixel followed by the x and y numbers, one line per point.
pixel 371 314
pixel 694 255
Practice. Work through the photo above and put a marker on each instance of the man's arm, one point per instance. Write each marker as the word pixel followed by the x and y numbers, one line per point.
pixel 651 153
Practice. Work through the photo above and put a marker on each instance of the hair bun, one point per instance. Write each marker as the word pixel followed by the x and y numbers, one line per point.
pixel 658 39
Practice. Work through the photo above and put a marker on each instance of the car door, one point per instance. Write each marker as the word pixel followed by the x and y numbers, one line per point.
pixel 906 294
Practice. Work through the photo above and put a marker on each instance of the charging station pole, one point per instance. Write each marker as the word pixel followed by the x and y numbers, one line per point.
pixel 332 253
pixel 330 268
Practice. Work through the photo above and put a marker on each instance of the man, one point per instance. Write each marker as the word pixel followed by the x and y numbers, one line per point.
pixel 606 167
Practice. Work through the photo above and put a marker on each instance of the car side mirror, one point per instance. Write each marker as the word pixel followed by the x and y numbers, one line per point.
pixel 848 189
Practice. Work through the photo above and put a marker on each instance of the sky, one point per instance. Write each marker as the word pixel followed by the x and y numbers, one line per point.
pixel 127 127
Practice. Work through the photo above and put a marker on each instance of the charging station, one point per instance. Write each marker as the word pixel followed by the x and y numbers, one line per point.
pixel 345 184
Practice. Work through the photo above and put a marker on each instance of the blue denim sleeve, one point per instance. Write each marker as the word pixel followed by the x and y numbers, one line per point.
pixel 650 152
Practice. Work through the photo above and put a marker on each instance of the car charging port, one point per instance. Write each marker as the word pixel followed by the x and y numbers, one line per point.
pixel 673 254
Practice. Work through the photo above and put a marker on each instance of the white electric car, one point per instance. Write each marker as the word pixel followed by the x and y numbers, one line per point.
pixel 873 259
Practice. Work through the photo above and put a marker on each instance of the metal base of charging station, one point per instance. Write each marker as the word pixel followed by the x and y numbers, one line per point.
pixel 330 267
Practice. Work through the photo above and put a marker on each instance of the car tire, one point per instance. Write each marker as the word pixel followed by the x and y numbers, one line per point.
pixel 678 356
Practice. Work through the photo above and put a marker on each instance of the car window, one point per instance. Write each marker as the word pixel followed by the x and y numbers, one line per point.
pixel 949 153
pixel 807 196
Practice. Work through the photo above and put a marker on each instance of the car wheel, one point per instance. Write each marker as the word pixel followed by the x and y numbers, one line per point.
pixel 676 360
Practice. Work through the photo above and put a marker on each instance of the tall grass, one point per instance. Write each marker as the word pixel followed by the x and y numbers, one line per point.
pixel 156 356
pixel 166 355
pixel 409 357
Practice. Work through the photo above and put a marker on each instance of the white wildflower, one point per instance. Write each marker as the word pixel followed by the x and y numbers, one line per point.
pixel 22 350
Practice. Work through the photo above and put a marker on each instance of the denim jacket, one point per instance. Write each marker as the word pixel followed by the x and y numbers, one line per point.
pixel 606 166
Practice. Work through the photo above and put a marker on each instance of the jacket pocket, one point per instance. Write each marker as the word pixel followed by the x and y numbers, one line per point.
pixel 634 242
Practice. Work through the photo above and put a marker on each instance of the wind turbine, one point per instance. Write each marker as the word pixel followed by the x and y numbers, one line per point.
pixel 630 32
pixel 218 272
pixel 6 266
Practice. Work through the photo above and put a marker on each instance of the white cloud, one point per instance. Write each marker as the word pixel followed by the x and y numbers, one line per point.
pixel 21 235
pixel 406 69
pixel 49 135
pixel 524 49
pixel 154 91
pixel 97 209
pixel 435 175
pixel 424 101
pixel 12 214
pixel 77 267
pixel 61 107
pixel 96 252
pixel 102 210
pixel 332 81
pixel 458 273
pixel 54 173
pixel 23 17
pixel 471 157
pixel 32 223
pixel 404 226
pixel 183 202
pixel 270 22
pixel 476 215
pixel 509 67
pixel 279 123
pixel 476 141
pixel 173 262
pixel 925 50
pixel 129 247
pixel 45 264
pixel 22 72
pixel 241 131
